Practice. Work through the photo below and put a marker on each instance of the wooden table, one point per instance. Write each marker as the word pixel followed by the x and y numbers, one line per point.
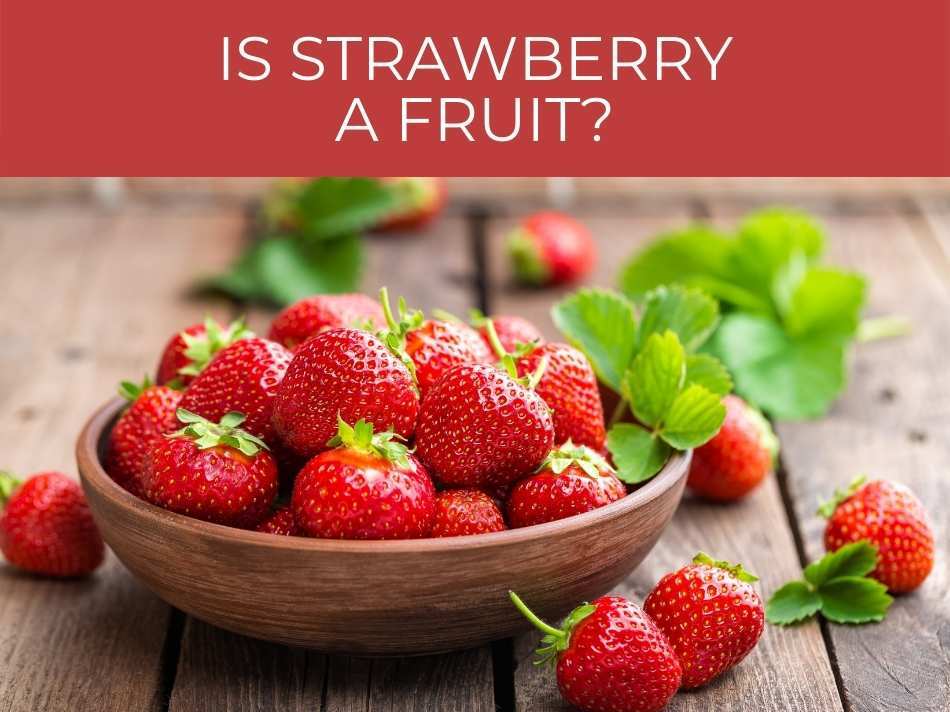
pixel 89 296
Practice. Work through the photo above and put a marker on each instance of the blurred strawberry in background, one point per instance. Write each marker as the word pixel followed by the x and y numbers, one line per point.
pixel 422 199
pixel 550 248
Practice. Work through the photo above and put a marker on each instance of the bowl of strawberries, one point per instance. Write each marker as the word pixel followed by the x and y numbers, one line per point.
pixel 367 481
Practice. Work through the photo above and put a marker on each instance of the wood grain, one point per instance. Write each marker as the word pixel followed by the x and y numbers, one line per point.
pixel 87 295
pixel 789 670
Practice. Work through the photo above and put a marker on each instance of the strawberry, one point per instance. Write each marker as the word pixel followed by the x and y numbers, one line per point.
pixel 150 415
pixel 890 517
pixel 189 351
pixel 423 200
pixel 430 348
pixel 216 472
pixel 551 248
pixel 736 459
pixel 571 480
pixel 569 387
pixel 243 378
pixel 480 426
pixel 348 373
pixel 322 312
pixel 280 521
pixel 513 331
pixel 610 655
pixel 46 526
pixel 367 487
pixel 459 512
pixel 711 615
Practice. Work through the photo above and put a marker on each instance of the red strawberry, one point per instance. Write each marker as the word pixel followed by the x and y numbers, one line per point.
pixel 322 312
pixel 189 351
pixel 569 387
pixel 46 526
pixel 216 472
pixel 367 487
pixel 711 615
pixel 150 416
pixel 737 458
pixel 459 512
pixel 244 378
pixel 611 657
pixel 890 517
pixel 570 481
pixel 431 347
pixel 423 200
pixel 347 373
pixel 280 521
pixel 479 426
pixel 551 248
pixel 513 331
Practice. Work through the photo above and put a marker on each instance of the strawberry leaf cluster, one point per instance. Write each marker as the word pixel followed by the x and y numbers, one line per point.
pixel 788 320
pixel 648 358
pixel 837 586
pixel 309 240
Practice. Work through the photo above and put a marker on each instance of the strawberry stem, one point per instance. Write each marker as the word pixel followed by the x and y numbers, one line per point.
pixel 533 619
pixel 493 339
pixel 535 377
pixel 885 327
pixel 387 310
pixel 8 483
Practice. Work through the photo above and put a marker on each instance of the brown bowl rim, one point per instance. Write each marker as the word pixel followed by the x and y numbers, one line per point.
pixel 92 474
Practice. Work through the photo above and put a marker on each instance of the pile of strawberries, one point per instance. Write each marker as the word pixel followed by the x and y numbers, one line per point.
pixel 351 421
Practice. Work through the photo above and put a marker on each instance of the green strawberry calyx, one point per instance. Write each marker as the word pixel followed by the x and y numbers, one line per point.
pixel 131 390
pixel 555 640
pixel 478 320
pixel 735 569
pixel 362 438
pixel 507 360
pixel 394 335
pixel 201 348
pixel 227 432
pixel 589 461
pixel 828 507
pixel 8 483
pixel 526 258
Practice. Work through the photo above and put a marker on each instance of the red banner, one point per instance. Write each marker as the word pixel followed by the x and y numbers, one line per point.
pixel 499 88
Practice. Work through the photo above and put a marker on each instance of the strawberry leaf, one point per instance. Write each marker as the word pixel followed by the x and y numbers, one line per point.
pixel 637 453
pixel 856 559
pixel 793 602
pixel 603 325
pixel 694 417
pixel 708 371
pixel 655 378
pixel 689 313
pixel 854 599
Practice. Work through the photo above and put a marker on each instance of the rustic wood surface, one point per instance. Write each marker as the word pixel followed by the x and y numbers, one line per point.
pixel 90 294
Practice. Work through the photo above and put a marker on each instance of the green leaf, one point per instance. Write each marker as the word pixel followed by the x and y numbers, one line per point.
pixel 826 302
pixel 853 599
pixel 856 559
pixel 789 378
pixel 706 370
pixel 695 416
pixel 328 208
pixel 637 454
pixel 688 313
pixel 767 240
pixel 655 377
pixel 603 325
pixel 793 602
pixel 676 257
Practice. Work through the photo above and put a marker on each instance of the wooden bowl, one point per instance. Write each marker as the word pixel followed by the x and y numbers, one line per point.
pixel 373 597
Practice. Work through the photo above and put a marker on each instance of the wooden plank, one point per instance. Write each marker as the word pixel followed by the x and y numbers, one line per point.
pixel 789 670
pixel 89 298
pixel 219 671
pixel 893 422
